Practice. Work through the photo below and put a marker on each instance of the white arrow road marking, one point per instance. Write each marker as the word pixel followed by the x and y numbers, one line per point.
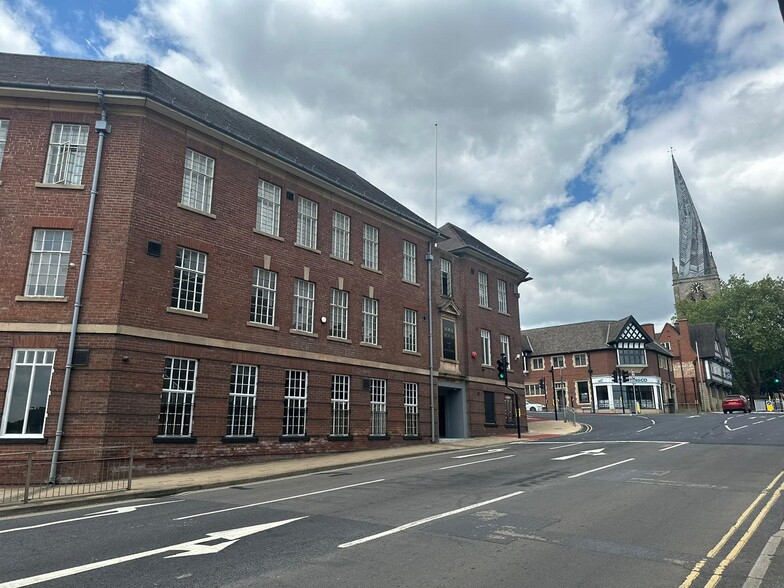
pixel 586 452
pixel 195 547
pixel 95 515
pixel 468 463
pixel 423 521
pixel 477 454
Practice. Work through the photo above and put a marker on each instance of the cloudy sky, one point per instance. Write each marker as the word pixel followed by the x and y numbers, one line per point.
pixel 554 118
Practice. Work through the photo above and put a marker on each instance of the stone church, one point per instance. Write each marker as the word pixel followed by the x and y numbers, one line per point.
pixel 695 277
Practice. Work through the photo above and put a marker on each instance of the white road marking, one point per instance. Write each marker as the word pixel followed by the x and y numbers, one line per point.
pixel 645 429
pixel 602 468
pixel 204 514
pixel 196 547
pixel 694 416
pixel 567 445
pixel 460 465
pixel 757 573
pixel 425 520
pixel 593 452
pixel 674 446
pixel 477 454
pixel 95 515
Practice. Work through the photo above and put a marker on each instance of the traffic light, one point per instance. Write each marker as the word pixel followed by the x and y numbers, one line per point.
pixel 615 375
pixel 502 366
pixel 541 383
pixel 627 377
pixel 777 377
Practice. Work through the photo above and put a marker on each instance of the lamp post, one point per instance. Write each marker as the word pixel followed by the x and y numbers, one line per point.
pixel 555 395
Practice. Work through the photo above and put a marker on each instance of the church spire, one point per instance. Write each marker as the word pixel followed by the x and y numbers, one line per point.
pixel 695 257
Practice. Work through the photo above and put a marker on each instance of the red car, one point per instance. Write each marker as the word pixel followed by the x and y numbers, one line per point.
pixel 735 402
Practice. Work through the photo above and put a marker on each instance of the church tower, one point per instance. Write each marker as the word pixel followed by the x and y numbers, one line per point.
pixel 695 277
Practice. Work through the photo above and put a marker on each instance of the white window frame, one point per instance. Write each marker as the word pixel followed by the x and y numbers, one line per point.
pixel 558 361
pixel 67 151
pixel 411 409
pixel 190 276
pixel 505 349
pixel 268 209
pixel 47 269
pixel 341 407
pixel 370 320
pixel 307 223
pixel 304 302
pixel 537 363
pixel 262 304
pixel 341 236
pixel 378 407
pixel 3 139
pixel 197 181
pixel 177 397
pixel 410 330
pixel 295 404
pixel 338 314
pixel 409 262
pixel 502 305
pixel 241 418
pixel 38 388
pixel 446 277
pixel 580 359
pixel 370 247
pixel 484 297
pixel 486 349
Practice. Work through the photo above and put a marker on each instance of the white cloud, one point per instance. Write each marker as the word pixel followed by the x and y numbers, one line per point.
pixel 525 95
pixel 17 35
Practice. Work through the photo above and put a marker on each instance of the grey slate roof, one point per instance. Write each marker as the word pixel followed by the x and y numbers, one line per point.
pixel 134 79
pixel 459 240
pixel 578 337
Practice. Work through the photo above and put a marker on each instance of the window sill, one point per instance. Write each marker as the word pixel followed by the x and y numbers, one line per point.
pixel 340 438
pixel 303 333
pixel 412 437
pixel 414 353
pixel 59 186
pixel 339 340
pixel 372 345
pixel 239 439
pixel 483 307
pixel 293 438
pixel 41 298
pixel 24 440
pixel 371 269
pixel 172 439
pixel 262 326
pixel 411 283
pixel 384 437
pixel 491 425
pixel 201 315
pixel 306 248
pixel 341 260
pixel 270 235
pixel 196 210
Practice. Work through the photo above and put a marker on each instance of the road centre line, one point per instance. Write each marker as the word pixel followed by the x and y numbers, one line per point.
pixel 427 520
pixel 460 465
pixel 712 553
pixel 204 514
pixel 602 468
pixel 498 450
pixel 566 445
pixel 674 446
pixel 645 429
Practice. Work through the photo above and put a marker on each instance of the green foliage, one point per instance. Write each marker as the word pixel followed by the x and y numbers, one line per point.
pixel 752 317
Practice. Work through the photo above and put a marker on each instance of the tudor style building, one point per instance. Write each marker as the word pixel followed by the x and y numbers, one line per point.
pixel 574 365
pixel 183 279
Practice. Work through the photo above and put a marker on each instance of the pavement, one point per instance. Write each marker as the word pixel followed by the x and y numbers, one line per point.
pixel 175 483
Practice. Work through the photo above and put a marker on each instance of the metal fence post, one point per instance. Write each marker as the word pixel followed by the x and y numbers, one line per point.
pixel 130 469
pixel 27 478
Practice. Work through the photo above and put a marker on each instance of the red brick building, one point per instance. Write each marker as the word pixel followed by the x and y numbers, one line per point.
pixel 224 292
pixel 577 364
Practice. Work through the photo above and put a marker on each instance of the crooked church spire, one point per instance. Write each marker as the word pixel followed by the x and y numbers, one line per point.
pixel 695 277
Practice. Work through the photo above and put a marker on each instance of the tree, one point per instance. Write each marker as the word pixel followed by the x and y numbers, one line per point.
pixel 752 317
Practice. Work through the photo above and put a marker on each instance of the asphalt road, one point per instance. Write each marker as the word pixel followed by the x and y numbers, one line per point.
pixel 672 500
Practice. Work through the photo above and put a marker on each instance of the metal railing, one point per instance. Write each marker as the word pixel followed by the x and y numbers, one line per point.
pixel 24 476
pixel 569 414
